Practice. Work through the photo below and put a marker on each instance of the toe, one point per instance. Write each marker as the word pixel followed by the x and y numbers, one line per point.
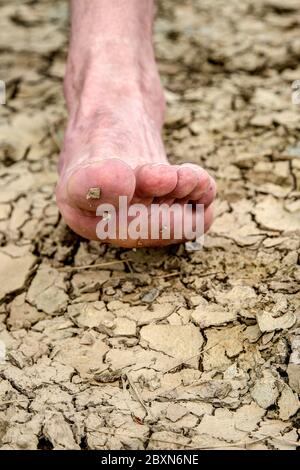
pixel 210 193
pixel 81 224
pixel 187 180
pixel 100 183
pixel 208 219
pixel 202 185
pixel 155 180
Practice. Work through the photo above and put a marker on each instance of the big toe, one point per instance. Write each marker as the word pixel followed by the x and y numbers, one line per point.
pixel 100 183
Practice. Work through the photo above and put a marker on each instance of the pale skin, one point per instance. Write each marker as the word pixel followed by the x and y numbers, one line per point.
pixel 116 113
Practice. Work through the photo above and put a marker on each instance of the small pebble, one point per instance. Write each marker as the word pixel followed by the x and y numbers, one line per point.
pixel 93 193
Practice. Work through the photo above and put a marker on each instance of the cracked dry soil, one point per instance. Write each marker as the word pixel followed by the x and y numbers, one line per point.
pixel 157 349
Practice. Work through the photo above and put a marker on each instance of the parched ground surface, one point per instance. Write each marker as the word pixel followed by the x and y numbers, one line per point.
pixel 160 348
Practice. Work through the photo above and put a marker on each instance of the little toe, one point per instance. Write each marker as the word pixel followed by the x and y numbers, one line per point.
pixel 202 185
pixel 208 197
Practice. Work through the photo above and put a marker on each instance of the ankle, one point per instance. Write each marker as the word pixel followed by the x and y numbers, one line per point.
pixel 116 73
pixel 111 60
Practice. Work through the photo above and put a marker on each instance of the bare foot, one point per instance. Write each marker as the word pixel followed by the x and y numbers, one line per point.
pixel 113 145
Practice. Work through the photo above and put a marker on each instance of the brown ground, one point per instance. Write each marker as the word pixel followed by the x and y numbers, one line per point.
pixel 169 349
